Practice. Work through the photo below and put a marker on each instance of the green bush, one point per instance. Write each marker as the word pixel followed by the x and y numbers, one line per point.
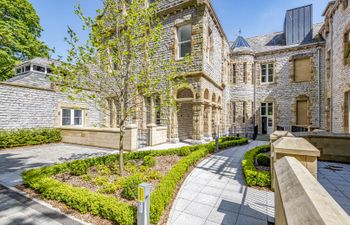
pixel 149 161
pixel 25 137
pixel 130 187
pixel 107 206
pixel 184 151
pixel 78 167
pixel 254 177
pixel 262 159
pixel 231 143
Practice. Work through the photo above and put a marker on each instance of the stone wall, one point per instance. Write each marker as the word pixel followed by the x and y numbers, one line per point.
pixel 23 106
pixel 283 92
pixel 338 83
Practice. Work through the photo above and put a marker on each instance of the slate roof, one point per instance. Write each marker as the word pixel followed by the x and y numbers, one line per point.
pixel 276 41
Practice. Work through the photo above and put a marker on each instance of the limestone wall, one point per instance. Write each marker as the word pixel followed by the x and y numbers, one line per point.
pixel 22 106
pixel 339 78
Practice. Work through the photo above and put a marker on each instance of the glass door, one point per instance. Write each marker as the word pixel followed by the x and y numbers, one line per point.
pixel 267 120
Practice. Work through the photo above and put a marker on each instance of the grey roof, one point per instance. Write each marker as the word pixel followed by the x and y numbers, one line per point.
pixel 32 79
pixel 240 42
pixel 276 41
pixel 41 61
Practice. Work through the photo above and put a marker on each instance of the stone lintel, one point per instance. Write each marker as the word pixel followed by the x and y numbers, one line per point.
pixel 302 199
pixel 295 146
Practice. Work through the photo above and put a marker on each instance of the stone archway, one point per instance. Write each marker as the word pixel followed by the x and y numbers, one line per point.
pixel 185 113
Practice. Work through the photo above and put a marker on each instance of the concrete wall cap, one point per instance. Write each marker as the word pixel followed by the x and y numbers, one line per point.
pixel 95 129
pixel 278 133
pixel 131 126
pixel 305 201
pixel 295 146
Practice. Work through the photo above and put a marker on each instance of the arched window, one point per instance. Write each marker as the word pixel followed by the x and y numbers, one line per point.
pixel 185 93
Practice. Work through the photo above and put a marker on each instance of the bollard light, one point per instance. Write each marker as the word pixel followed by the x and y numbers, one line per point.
pixel 143 204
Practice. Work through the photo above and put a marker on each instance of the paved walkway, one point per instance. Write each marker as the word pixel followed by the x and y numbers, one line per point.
pixel 13 162
pixel 18 209
pixel 335 178
pixel 215 193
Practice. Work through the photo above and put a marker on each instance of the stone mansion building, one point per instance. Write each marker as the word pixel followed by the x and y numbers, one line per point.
pixel 297 78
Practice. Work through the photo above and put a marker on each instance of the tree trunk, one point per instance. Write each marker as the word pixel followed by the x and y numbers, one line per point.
pixel 121 151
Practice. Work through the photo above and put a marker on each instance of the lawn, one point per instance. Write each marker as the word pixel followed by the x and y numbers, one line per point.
pixel 94 185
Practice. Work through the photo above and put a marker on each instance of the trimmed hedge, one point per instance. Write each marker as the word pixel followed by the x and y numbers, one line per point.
pixel 254 177
pixel 25 137
pixel 109 207
pixel 262 159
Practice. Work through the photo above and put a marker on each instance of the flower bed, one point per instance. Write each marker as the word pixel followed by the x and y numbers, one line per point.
pixel 114 197
pixel 26 137
pixel 253 176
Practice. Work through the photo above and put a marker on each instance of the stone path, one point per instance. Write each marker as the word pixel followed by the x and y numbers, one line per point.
pixel 335 178
pixel 215 193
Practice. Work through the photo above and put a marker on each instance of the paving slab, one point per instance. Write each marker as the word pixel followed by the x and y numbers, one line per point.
pixel 216 193
pixel 335 178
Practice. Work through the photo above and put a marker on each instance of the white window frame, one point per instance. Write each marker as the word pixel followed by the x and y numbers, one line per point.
pixel 72 117
pixel 179 43
pixel 267 73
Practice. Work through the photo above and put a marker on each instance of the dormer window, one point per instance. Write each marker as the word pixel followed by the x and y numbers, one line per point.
pixel 39 68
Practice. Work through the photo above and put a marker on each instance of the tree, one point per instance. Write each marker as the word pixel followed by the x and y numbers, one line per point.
pixel 19 32
pixel 120 62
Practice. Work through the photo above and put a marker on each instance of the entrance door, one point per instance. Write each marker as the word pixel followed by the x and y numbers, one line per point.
pixel 267 120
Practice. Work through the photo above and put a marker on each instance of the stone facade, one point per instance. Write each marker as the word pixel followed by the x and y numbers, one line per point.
pixel 25 106
pixel 337 23
pixel 216 100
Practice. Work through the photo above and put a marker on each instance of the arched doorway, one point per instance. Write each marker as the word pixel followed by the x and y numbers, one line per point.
pixel 185 113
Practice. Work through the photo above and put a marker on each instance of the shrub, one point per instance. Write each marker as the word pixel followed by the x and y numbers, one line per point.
pixel 262 159
pixel 25 137
pixel 231 143
pixel 78 167
pixel 149 161
pixel 109 207
pixel 252 175
pixel 130 187
pixel 184 151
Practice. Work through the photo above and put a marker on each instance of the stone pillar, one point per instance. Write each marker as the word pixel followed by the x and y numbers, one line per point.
pixel 298 148
pixel 130 138
pixel 198 111
pixel 214 120
pixel 209 114
pixel 274 137
pixel 174 135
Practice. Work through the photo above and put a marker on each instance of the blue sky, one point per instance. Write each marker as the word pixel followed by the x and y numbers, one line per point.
pixel 253 17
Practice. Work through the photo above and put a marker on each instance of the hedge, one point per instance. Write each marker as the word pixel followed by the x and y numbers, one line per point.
pixel 25 137
pixel 109 207
pixel 253 176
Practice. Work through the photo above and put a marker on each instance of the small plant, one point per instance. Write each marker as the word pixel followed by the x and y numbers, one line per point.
pixel 103 170
pixel 111 188
pixel 101 181
pixel 153 175
pixel 184 151
pixel 86 177
pixel 130 187
pixel 149 161
pixel 262 159
pixel 78 167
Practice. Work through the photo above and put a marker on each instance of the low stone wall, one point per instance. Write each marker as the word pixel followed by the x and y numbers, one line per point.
pixel 332 147
pixel 158 135
pixel 100 137
pixel 300 199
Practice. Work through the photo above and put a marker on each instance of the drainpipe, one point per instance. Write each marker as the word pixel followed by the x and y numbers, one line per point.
pixel 331 73
pixel 319 84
